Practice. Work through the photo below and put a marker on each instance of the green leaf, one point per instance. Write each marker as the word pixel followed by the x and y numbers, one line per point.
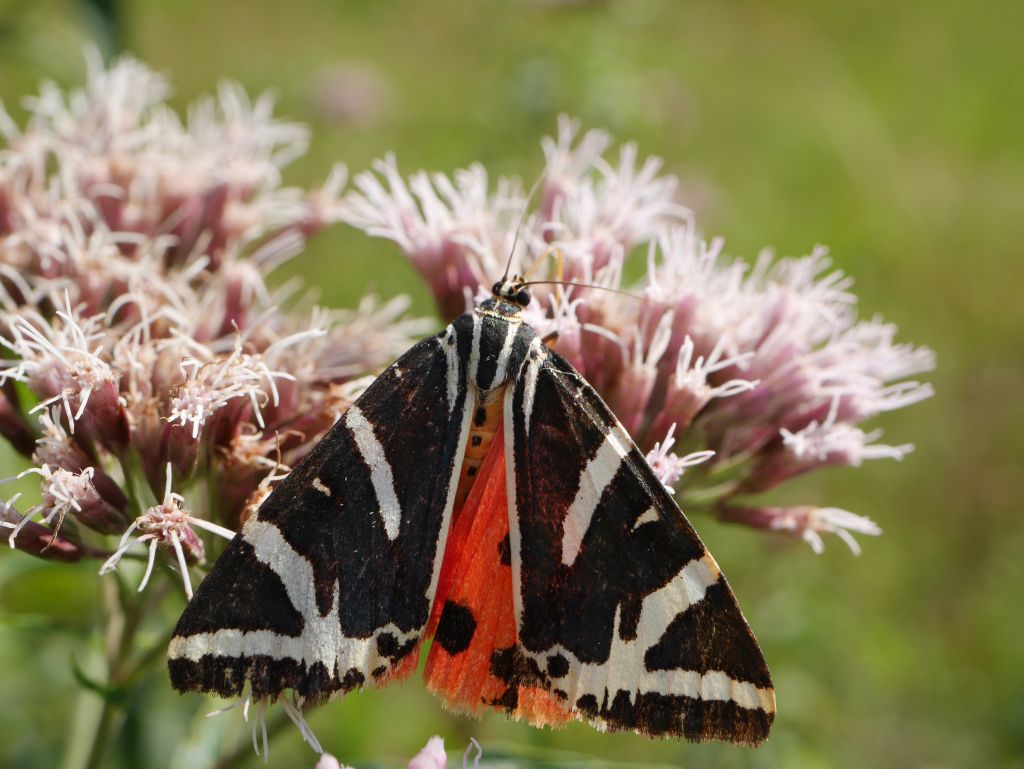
pixel 107 692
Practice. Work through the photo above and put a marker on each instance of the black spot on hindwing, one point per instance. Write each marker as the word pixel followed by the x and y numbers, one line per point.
pixel 513 667
pixel 456 627
pixel 505 551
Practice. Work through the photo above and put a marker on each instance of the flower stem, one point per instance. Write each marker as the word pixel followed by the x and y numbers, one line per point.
pixel 707 497
pixel 115 627
pixel 122 616
pixel 101 737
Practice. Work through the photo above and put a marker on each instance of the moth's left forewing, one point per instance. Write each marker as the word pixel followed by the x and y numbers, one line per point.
pixel 329 586
pixel 617 601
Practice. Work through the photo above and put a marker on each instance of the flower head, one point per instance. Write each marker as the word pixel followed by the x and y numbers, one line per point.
pixel 66 493
pixel 171 526
pixel 806 522
pixel 670 467
pixel 63 363
pixel 139 327
pixel 39 539
pixel 763 368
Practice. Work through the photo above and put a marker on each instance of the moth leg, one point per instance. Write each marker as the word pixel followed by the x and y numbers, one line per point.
pixel 559 263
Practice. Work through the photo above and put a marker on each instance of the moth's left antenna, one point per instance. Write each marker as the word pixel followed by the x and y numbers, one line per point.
pixel 522 221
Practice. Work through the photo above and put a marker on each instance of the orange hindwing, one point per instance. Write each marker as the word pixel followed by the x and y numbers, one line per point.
pixel 473 662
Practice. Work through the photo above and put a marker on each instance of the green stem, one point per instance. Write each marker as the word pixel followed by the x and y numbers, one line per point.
pixel 727 466
pixel 123 614
pixel 155 653
pixel 101 737
pixel 708 496
pixel 115 625
pixel 135 486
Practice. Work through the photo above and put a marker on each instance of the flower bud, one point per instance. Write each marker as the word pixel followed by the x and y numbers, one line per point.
pixel 105 418
pixel 56 448
pixel 327 761
pixel 39 540
pixel 65 492
pixel 168 525
pixel 12 426
pixel 431 757
pixel 807 522
pixel 179 445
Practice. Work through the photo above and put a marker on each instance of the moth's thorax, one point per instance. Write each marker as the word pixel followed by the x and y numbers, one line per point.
pixel 500 308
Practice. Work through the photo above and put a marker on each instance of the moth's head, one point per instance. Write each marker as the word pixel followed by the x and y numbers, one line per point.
pixel 512 290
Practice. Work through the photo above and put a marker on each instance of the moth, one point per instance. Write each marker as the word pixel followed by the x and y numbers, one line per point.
pixel 482 494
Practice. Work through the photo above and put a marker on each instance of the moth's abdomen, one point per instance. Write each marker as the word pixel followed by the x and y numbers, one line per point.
pixel 484 424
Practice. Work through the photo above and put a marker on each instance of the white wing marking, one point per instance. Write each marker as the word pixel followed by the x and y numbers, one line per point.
pixel 380 471
pixel 598 473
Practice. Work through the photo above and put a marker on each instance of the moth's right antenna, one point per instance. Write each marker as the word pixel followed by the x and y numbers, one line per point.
pixel 522 221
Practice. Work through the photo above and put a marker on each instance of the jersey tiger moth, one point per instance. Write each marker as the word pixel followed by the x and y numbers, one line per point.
pixel 480 492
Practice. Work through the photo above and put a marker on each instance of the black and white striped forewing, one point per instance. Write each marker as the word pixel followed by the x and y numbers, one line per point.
pixel 330 584
pixel 620 608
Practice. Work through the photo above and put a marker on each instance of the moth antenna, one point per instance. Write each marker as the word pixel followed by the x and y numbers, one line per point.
pixel 519 227
pixel 582 285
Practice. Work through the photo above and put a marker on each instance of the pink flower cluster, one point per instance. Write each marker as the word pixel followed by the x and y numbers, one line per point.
pixel 762 370
pixel 142 344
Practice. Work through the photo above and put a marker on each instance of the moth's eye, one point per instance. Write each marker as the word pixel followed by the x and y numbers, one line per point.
pixel 523 297
pixel 496 289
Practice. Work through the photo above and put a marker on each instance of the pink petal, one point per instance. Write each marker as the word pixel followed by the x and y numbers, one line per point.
pixel 431 757
pixel 327 761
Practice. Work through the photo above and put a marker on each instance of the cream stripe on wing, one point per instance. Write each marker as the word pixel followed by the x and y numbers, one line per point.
pixel 380 471
pixel 594 479
pixel 474 352
pixel 321 639
pixel 534 362
pixel 451 353
pixel 514 537
pixel 501 369
pixel 625 669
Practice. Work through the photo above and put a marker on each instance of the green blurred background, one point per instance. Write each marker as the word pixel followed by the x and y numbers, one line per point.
pixel 892 132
